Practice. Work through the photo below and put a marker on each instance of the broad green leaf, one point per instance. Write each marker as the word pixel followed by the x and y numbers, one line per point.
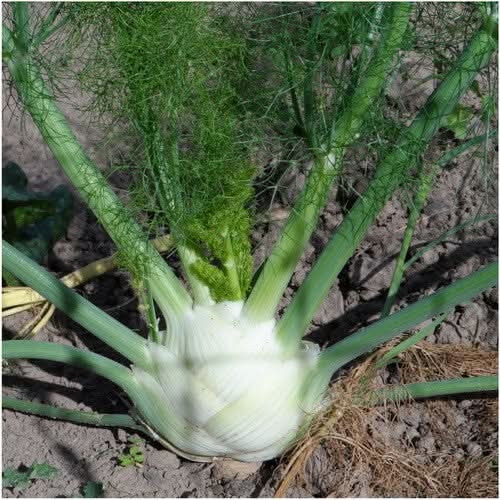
pixel 13 478
pixel 21 479
pixel 93 489
pixel 42 471
pixel 33 221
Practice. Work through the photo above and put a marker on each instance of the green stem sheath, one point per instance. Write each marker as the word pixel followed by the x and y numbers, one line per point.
pixel 199 291
pixel 370 337
pixel 389 175
pixel 33 349
pixel 75 416
pixel 396 18
pixel 280 265
pixel 425 181
pixel 170 294
pixel 276 272
pixel 438 388
pixel 229 265
pixel 311 66
pixel 96 321
pixel 409 342
pixel 21 24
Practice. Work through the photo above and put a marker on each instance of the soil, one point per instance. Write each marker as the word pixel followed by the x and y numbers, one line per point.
pixel 455 440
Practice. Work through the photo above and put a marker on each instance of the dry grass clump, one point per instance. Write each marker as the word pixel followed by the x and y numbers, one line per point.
pixel 439 361
pixel 413 449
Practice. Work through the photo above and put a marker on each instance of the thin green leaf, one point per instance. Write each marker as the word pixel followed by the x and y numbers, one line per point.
pixel 409 342
pixel 475 141
pixel 425 181
pixel 447 234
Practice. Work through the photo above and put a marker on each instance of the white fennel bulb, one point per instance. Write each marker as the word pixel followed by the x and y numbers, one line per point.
pixel 222 387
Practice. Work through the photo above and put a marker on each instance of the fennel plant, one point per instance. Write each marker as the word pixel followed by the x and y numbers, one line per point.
pixel 219 374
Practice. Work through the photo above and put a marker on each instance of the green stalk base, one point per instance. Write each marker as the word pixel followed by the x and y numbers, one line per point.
pixel 74 416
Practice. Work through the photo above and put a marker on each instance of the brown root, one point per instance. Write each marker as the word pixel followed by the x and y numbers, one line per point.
pixel 399 450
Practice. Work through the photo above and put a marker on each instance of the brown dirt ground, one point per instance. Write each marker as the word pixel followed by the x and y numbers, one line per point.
pixel 436 448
